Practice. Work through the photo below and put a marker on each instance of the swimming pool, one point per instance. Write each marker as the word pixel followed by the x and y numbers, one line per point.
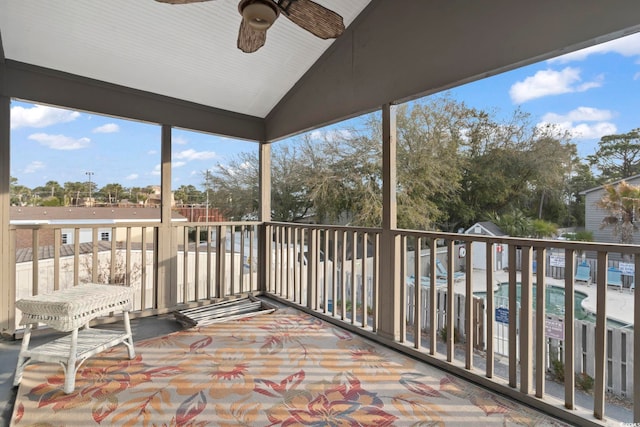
pixel 554 300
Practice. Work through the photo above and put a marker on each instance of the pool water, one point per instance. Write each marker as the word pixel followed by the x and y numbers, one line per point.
pixel 554 299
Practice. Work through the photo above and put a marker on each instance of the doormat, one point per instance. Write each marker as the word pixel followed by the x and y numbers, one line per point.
pixel 224 311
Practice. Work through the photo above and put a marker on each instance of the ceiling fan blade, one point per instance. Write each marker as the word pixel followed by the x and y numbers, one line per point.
pixel 180 1
pixel 250 39
pixel 316 19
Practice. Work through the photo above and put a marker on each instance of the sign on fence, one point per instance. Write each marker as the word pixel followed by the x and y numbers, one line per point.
pixel 556 260
pixel 627 268
pixel 554 328
pixel 502 315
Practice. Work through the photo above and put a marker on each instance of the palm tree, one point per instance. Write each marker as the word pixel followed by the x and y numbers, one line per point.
pixel 622 203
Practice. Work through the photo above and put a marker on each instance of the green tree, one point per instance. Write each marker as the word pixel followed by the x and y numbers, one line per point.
pixel 19 194
pixel 622 202
pixel 111 193
pixel 618 156
pixel 514 223
pixel 73 192
pixel 233 188
pixel 188 194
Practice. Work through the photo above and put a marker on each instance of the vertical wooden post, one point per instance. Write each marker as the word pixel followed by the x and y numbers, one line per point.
pixel 167 250
pixel 7 284
pixel 264 239
pixel 389 321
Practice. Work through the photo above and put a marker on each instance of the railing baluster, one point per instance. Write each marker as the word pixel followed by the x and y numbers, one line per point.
pixel 450 304
pixel 196 278
pixel 417 294
pixel 57 238
pixel 343 275
pixel 76 256
pixel 113 263
pixel 403 290
pixel 513 319
pixel 526 330
pixel 569 329
pixel 469 312
pixel 433 297
pixel 94 258
pixel 143 273
pixel 491 311
pixel 376 281
pixel 185 265
pixel 365 285
pixel 35 270
pixel 128 266
pixel 601 336
pixel 221 261
pixel 354 259
pixel 541 315
pixel 636 341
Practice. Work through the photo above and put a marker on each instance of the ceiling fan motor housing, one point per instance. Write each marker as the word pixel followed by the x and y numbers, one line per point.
pixel 260 14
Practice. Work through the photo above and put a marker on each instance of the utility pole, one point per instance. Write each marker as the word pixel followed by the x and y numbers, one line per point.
pixel 90 174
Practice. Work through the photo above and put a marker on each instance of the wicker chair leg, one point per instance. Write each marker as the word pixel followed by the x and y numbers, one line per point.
pixel 22 360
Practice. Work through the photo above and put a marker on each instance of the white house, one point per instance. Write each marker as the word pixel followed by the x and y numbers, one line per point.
pixel 479 250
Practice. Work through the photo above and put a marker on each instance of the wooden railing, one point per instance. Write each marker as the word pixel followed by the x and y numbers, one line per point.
pixel 317 268
pixel 446 310
pixel 52 257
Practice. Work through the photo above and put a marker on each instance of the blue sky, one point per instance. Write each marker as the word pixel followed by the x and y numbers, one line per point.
pixel 591 93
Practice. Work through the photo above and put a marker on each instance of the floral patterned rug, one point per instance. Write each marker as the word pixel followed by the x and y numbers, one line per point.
pixel 280 369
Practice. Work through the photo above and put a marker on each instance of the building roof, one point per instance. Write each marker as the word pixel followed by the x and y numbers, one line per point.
pixel 599 187
pixel 488 226
pixel 95 215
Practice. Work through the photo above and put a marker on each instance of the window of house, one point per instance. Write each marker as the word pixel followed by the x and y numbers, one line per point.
pixel 104 236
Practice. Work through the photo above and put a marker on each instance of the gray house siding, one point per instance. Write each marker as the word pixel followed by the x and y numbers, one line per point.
pixel 594 215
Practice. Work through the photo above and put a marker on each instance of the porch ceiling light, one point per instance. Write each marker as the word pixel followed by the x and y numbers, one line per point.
pixel 260 15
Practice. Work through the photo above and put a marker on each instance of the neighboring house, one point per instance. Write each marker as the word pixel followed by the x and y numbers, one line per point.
pixel 479 250
pixel 594 214
pixel 61 215
pixel 154 198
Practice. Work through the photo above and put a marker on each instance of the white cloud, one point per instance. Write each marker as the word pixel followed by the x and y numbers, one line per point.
pixel 60 142
pixel 152 152
pixel 582 122
pixel 178 164
pixel 132 177
pixel 586 114
pixel 331 135
pixel 107 128
pixel 40 116
pixel 550 82
pixel 192 154
pixel 156 170
pixel 625 46
pixel 180 140
pixel 34 167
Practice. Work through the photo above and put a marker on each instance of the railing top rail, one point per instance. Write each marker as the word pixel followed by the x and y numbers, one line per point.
pixel 372 230
pixel 99 225
pixel 528 242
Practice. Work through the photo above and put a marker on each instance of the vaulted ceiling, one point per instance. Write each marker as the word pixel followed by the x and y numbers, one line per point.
pixel 179 64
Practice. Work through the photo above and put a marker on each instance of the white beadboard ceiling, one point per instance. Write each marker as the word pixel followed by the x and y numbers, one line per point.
pixel 183 51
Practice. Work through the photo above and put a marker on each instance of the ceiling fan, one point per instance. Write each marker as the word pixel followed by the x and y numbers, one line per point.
pixel 259 15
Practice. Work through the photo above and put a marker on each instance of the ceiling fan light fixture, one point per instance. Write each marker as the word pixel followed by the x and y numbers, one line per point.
pixel 259 15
